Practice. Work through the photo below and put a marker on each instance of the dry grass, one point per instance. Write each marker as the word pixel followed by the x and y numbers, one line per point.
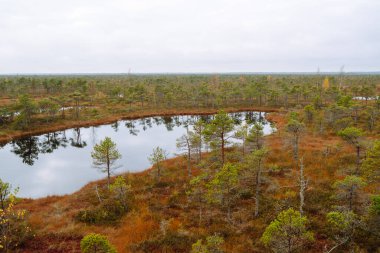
pixel 53 216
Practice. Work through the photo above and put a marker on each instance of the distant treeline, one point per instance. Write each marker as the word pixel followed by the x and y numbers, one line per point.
pixel 52 93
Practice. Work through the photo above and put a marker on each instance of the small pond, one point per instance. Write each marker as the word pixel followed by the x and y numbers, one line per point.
pixel 60 162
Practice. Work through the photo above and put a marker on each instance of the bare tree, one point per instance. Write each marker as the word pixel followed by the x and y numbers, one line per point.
pixel 303 186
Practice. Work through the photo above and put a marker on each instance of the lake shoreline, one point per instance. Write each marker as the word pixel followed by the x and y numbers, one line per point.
pixel 60 126
pixel 38 150
pixel 274 118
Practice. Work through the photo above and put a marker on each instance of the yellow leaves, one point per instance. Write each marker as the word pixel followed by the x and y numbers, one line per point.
pixel 326 83
pixel 8 217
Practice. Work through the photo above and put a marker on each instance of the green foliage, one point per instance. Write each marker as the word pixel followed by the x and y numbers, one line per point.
pixel 48 106
pixel 197 186
pixel 105 155
pixel 216 132
pixel 14 229
pixel 352 135
pixel 287 233
pixel 254 167
pixel 317 102
pixel 224 180
pixel 114 203
pixel 255 136
pixel 375 205
pixel 121 192
pixel 5 191
pixel 347 189
pixel 341 222
pixel 342 226
pixel 309 112
pixel 242 134
pixel 77 96
pixel 184 143
pixel 27 108
pixel 176 242
pixel 350 181
pixel 212 245
pixel 197 192
pixel 109 212
pixel 156 158
pixel 197 137
pixel 96 243
pixel 371 164
pixel 222 188
pixel 294 126
pixel 345 101
pixel 342 123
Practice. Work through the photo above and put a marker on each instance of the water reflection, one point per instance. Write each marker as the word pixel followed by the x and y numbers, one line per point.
pixel 60 162
pixel 76 140
pixel 27 149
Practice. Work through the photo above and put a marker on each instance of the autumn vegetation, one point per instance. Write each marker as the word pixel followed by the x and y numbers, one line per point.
pixel 311 186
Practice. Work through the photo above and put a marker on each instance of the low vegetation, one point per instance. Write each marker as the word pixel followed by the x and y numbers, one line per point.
pixel 312 186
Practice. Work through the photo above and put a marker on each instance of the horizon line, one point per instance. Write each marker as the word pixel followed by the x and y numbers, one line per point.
pixel 191 73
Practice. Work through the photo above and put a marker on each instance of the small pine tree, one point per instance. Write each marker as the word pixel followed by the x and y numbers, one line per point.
pixel 212 245
pixel 95 243
pixel 104 157
pixel 222 188
pixel 156 158
pixel 287 232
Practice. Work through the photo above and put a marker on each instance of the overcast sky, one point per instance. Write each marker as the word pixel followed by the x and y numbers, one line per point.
pixel 105 36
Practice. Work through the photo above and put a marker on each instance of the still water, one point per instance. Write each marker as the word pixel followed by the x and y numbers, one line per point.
pixel 60 162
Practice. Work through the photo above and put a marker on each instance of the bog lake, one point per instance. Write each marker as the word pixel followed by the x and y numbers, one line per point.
pixel 60 162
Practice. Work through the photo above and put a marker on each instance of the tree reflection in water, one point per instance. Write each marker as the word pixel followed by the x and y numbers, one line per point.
pixel 76 140
pixel 29 148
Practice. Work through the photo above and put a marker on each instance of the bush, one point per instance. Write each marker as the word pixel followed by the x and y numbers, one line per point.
pixel 95 243
pixel 14 229
pixel 212 245
pixel 108 213
pixel 171 242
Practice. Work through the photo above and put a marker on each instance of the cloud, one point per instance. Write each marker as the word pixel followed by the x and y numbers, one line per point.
pixel 44 36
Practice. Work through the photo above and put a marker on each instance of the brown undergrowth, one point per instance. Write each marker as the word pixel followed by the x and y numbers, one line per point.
pixel 325 157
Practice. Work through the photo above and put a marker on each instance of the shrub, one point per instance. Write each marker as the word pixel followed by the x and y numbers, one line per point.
pixel 171 242
pixel 287 233
pixel 95 243
pixel 14 229
pixel 212 245
pixel 109 212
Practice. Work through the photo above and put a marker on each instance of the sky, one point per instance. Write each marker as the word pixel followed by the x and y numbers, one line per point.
pixel 188 36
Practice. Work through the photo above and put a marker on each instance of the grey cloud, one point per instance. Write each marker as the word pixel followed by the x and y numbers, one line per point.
pixel 44 36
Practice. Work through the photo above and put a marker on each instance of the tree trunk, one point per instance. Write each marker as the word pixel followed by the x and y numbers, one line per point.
pixel 97 193
pixel 351 197
pixel 357 160
pixel 295 149
pixel 200 214
pixel 303 185
pixel 189 162
pixel 258 185
pixel 108 170
pixel 222 146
